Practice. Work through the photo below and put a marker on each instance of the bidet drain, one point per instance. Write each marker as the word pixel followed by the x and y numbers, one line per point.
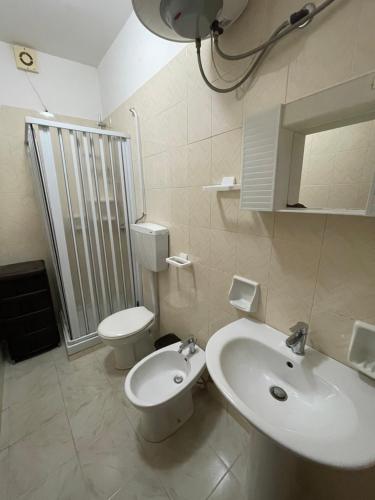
pixel 177 379
pixel 278 393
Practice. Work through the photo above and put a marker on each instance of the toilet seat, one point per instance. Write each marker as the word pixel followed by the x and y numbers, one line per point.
pixel 125 323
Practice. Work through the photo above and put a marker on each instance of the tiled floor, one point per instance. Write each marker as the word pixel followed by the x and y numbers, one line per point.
pixel 67 432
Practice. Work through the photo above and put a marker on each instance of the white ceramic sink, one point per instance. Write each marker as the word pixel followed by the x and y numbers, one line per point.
pixel 329 413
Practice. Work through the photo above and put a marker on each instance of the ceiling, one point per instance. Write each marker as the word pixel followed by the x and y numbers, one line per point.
pixel 80 30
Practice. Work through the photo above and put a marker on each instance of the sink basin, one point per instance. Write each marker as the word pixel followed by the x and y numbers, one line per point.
pixel 312 404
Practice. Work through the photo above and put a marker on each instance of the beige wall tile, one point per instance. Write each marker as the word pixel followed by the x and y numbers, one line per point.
pixel 330 333
pixel 256 223
pixel 343 196
pixel 223 251
pixel 199 245
pixel 226 112
pixel 346 279
pixel 180 206
pixel 199 163
pixel 267 90
pixel 156 171
pixel 364 48
pixel 294 265
pixel 308 228
pixel 314 196
pixel 348 166
pixel 317 168
pixel 199 114
pixel 174 126
pixel 159 205
pixel 226 156
pixel 308 70
pixel 253 254
pixel 177 166
pixel 221 312
pixel 284 310
pixel 178 239
pixel 355 136
pixel 199 208
pixel 224 210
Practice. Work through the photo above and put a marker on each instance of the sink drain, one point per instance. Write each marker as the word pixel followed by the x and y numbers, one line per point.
pixel 177 379
pixel 278 393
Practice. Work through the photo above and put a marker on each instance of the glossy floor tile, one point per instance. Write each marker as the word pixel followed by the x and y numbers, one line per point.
pixel 68 432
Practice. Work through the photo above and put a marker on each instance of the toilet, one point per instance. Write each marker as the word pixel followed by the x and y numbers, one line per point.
pixel 160 387
pixel 129 332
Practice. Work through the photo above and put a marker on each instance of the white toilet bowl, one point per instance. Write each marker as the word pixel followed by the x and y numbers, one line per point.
pixel 159 386
pixel 128 332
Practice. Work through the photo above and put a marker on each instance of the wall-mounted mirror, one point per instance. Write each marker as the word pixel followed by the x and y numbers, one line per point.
pixel 313 155
pixel 338 167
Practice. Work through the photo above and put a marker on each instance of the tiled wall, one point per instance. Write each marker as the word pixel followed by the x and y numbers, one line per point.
pixel 317 269
pixel 338 167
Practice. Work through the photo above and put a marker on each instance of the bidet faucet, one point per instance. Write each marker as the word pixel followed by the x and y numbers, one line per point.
pixel 189 342
pixel 297 340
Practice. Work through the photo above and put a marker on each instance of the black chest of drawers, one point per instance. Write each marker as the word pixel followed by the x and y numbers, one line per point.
pixel 27 318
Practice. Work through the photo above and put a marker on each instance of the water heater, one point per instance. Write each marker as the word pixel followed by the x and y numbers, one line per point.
pixel 186 20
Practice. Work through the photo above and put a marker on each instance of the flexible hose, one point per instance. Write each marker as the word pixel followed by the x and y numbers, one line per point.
pixel 251 70
pixel 272 40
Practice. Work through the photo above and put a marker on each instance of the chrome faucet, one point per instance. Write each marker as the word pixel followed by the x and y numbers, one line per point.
pixel 189 342
pixel 297 340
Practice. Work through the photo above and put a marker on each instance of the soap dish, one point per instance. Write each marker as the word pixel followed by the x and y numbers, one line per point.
pixel 244 294
pixel 362 348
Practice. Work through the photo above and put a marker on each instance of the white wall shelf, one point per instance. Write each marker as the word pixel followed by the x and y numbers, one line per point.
pixel 323 211
pixel 221 187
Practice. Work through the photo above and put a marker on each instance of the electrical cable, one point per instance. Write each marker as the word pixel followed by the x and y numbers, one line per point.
pixel 259 59
pixel 36 93
pixel 218 71
pixel 295 23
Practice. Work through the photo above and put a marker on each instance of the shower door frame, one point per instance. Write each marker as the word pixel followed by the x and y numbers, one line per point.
pixel 48 190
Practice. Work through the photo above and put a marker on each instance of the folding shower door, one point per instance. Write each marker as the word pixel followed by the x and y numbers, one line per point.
pixel 84 178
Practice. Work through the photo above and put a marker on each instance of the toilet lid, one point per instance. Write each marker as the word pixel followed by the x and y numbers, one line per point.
pixel 126 322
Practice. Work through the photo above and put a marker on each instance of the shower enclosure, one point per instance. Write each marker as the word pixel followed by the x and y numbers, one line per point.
pixel 85 183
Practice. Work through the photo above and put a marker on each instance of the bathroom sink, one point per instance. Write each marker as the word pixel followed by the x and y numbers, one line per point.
pixel 312 404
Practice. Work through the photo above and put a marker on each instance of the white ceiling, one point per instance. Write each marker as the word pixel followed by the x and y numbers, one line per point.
pixel 80 30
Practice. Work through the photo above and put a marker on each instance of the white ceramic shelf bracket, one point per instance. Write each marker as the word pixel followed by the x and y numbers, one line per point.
pixel 244 294
pixel 362 348
pixel 179 261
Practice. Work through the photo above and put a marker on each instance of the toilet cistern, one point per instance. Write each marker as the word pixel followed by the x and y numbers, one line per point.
pixel 189 342
pixel 297 340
